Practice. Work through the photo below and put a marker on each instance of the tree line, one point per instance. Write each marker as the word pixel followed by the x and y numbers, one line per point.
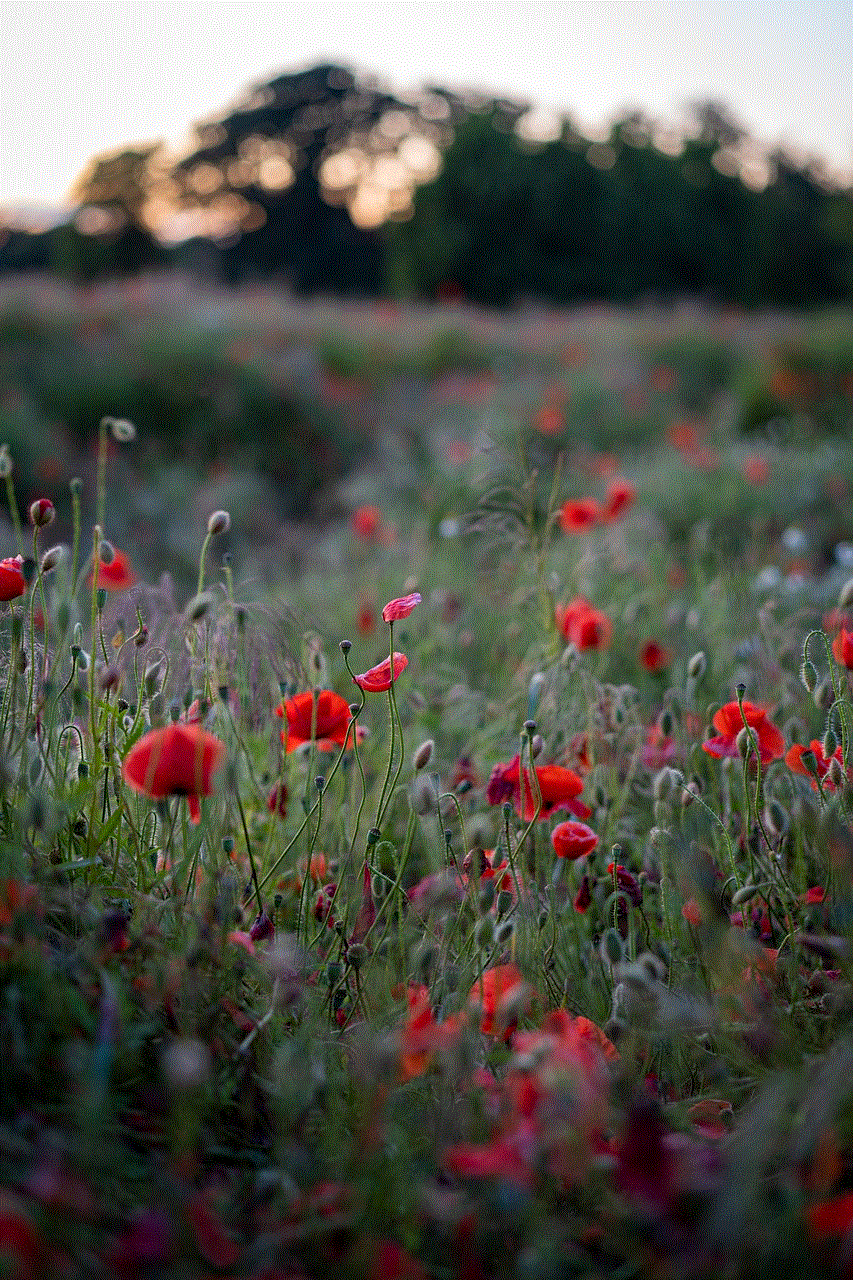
pixel 328 183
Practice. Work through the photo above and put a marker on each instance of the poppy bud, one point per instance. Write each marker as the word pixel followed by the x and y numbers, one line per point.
pixel 845 596
pixel 666 722
pixel 218 522
pixel 830 743
pixel 423 755
pixel 697 666
pixel 504 902
pixel 824 694
pixel 42 511
pixel 504 932
pixel 745 894
pixel 536 745
pixel 835 772
pixel 776 818
pixel 199 606
pixel 808 675
pixel 51 558
pixel 106 552
pixel 5 462
pixel 484 933
pixel 743 742
pixel 612 949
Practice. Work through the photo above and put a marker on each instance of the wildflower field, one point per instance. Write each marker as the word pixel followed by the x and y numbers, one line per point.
pixel 426 773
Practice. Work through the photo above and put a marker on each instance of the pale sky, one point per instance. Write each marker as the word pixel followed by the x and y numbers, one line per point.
pixel 79 77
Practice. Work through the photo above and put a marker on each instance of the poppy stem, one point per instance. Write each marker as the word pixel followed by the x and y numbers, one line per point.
pixel 249 851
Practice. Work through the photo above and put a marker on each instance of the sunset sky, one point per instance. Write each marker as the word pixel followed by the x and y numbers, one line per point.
pixel 84 76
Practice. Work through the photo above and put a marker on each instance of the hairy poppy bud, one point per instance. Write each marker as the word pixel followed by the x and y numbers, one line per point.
pixel 218 522
pixel 120 429
pixel 808 675
pixel 697 666
pixel 845 596
pixel 51 558
pixel 5 462
pixel 423 755
pixel 42 511
pixel 106 552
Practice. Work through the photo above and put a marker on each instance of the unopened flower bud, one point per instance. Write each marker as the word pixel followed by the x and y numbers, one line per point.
pixel 845 596
pixel 824 694
pixel 218 522
pixel 106 552
pixel 830 743
pixel 835 772
pixel 536 745
pixel 423 755
pixel 120 429
pixel 199 606
pixel 484 932
pixel 697 666
pixel 5 462
pixel 808 675
pixel 776 818
pixel 503 934
pixel 51 558
pixel 743 742
pixel 42 511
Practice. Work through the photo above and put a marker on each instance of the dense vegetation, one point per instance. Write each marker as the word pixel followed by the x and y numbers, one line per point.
pixel 533 961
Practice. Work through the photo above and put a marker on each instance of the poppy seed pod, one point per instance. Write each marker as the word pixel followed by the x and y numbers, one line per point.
pixel 218 522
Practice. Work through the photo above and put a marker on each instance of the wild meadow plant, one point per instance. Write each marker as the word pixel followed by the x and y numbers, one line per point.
pixel 313 961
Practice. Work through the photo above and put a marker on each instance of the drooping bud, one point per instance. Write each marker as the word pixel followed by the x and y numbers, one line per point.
pixel 120 429
pixel 199 606
pixel 218 522
pixel 824 694
pixel 52 558
pixel 808 675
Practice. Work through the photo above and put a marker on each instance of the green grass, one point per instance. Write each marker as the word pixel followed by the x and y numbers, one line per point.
pixel 338 1093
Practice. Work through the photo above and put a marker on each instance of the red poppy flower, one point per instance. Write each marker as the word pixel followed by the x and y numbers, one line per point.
pixel 379 678
pixel 728 722
pixel 756 470
pixel 550 420
pixel 558 786
pixel 493 993
pixel 367 523
pixel 366 619
pixel 621 495
pixel 830 1218
pixel 654 657
pixel 401 607
pixel 583 625
pixel 115 576
pixel 179 760
pixel 794 761
pixel 331 723
pixel 842 649
pixel 573 840
pixel 12 583
pixel 579 515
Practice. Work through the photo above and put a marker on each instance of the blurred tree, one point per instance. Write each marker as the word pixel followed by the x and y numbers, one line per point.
pixel 297 179
pixel 113 226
